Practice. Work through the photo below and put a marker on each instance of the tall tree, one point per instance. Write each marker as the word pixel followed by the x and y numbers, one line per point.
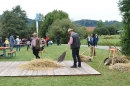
pixel 50 18
pixel 112 30
pixel 60 27
pixel 124 7
pixel 100 24
pixel 0 29
pixel 14 22
pixel 40 20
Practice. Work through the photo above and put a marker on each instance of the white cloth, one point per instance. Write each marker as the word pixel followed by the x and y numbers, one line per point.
pixel 88 38
pixel 28 42
pixel 18 41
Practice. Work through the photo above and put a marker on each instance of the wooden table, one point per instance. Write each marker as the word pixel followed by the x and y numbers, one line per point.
pixel 4 50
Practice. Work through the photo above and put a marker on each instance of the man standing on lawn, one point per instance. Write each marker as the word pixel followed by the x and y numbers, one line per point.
pixel 35 45
pixel 74 42
pixel 12 41
pixel 96 39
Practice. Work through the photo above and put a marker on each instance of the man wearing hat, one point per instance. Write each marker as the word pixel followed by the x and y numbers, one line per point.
pixel 35 45
pixel 74 42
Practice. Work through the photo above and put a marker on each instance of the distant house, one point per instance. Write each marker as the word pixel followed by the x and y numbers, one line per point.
pixel 90 29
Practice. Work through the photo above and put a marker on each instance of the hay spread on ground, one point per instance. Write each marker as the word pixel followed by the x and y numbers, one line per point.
pixel 123 67
pixel 121 59
pixel 85 58
pixel 39 64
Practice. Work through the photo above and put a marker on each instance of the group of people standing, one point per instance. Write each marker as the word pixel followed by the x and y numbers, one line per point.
pixel 92 41
pixel 74 43
pixel 11 42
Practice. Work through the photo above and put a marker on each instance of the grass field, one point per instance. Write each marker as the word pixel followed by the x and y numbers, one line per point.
pixel 115 40
pixel 107 77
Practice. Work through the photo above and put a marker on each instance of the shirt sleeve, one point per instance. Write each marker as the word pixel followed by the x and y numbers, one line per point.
pixel 70 41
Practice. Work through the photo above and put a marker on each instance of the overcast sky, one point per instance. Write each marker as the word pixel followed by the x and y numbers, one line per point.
pixel 77 9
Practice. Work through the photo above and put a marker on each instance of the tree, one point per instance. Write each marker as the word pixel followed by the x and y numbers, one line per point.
pixel 60 27
pixel 0 29
pixel 98 31
pixel 102 30
pixel 14 22
pixel 111 29
pixel 124 7
pixel 40 20
pixel 100 24
pixel 49 19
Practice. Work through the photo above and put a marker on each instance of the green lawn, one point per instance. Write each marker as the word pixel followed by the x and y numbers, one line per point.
pixel 107 77
pixel 114 41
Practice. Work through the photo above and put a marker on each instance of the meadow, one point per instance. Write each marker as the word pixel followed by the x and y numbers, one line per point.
pixel 106 40
pixel 107 77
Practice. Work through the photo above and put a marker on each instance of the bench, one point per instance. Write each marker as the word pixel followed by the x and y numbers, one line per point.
pixel 10 54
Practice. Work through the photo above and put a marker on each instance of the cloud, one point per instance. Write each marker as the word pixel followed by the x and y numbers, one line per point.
pixel 77 9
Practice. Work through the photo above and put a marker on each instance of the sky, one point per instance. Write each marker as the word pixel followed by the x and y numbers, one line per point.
pixel 76 9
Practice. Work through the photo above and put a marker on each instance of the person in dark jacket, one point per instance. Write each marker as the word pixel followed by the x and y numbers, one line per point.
pixel 96 39
pixel 58 40
pixel 12 42
pixel 74 43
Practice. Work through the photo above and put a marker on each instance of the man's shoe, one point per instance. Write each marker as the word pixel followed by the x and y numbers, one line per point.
pixel 79 65
pixel 73 66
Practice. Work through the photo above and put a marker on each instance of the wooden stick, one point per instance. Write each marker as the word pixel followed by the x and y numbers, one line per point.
pixel 66 48
pixel 102 60
pixel 84 51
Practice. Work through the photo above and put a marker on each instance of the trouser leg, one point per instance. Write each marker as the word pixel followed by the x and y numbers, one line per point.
pixel 74 56
pixel 34 51
pixel 37 54
pixel 78 57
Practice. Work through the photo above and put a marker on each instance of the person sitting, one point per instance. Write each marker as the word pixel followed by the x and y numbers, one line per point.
pixel 6 43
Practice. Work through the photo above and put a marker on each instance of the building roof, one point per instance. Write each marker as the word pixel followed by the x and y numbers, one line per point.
pixel 90 28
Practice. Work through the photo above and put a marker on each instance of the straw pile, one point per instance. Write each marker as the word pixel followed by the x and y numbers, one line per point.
pixel 39 64
pixel 123 67
pixel 121 59
pixel 85 58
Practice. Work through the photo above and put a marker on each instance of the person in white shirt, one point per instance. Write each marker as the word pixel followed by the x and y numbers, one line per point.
pixel 18 43
pixel 88 40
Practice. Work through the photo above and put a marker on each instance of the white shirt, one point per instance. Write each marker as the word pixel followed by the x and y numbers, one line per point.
pixel 18 40
pixel 88 38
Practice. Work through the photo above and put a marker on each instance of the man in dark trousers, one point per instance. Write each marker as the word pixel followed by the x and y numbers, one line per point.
pixel 74 42
pixel 58 40
pixel 35 45
pixel 96 39
pixel 47 40
pixel 12 42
